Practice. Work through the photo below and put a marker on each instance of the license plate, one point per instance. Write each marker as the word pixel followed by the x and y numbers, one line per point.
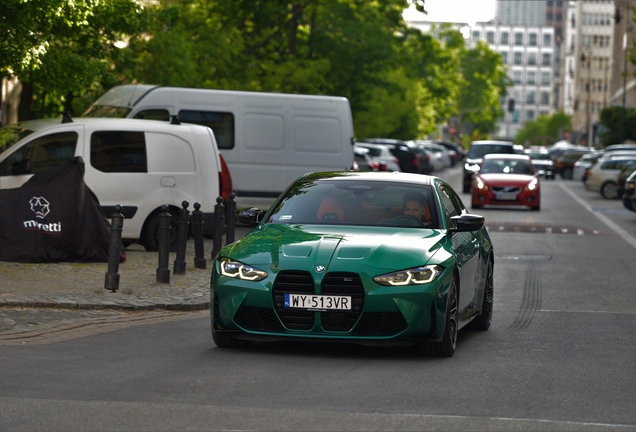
pixel 506 197
pixel 307 301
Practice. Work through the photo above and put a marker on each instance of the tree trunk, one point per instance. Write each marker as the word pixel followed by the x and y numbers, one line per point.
pixel 26 101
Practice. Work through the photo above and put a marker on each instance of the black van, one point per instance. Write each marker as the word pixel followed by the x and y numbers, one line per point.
pixel 475 156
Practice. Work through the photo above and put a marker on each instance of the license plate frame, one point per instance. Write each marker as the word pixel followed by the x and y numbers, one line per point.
pixel 316 302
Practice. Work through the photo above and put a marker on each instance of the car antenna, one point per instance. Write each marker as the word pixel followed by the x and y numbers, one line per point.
pixel 174 119
pixel 66 117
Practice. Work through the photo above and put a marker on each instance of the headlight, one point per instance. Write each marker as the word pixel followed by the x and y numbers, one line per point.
pixel 481 185
pixel 412 276
pixel 534 183
pixel 471 167
pixel 237 270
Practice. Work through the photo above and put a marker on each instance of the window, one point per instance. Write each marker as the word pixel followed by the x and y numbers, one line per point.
pixel 514 118
pixel 546 58
pixel 518 57
pixel 119 152
pixel 547 39
pixel 40 154
pixel 532 58
pixel 531 78
pixel 519 39
pixel 451 204
pixel 504 38
pixel 490 37
pixel 156 114
pixel 504 57
pixel 545 98
pixel 529 115
pixel 476 34
pixel 222 123
pixel 516 77
pixel 530 96
pixel 545 78
pixel 533 39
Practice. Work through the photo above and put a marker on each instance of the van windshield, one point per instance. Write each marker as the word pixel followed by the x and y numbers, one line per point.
pixel 10 135
pixel 106 111
pixel 479 151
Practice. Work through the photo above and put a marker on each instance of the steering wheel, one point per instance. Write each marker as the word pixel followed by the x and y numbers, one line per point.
pixel 403 220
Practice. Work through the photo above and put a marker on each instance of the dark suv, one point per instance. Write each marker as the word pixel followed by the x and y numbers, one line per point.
pixel 475 156
pixel 408 158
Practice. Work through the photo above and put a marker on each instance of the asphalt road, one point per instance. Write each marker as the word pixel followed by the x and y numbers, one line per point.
pixel 561 353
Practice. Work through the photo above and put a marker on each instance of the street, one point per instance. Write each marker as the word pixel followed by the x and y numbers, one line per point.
pixel 560 355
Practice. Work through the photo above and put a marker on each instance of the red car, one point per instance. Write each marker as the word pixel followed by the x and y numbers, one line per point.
pixel 506 179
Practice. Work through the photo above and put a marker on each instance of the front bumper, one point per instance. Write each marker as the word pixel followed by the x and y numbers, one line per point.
pixel 487 197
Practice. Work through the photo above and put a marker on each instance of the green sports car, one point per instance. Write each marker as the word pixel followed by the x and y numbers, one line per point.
pixel 361 257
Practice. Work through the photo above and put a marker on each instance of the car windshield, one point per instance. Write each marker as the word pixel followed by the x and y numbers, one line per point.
pixel 10 135
pixel 481 150
pixel 356 202
pixel 506 166
pixel 539 156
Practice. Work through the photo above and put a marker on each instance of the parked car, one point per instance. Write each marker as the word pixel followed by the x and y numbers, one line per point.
pixel 139 164
pixel 455 151
pixel 476 153
pixel 439 149
pixel 629 197
pixel 619 147
pixel 424 158
pixel 542 163
pixel 408 159
pixel 564 164
pixel 362 160
pixel 601 177
pixel 435 159
pixel 380 155
pixel 624 173
pixel 583 163
pixel 384 276
pixel 506 180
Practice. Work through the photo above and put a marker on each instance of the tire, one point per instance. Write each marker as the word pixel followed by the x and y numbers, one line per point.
pixel 567 174
pixel 475 206
pixel 466 188
pixel 536 208
pixel 446 347
pixel 484 319
pixel 609 190
pixel 225 340
pixel 150 235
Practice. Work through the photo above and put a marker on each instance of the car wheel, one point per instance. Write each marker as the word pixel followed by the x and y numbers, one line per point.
pixel 536 208
pixel 225 340
pixel 609 190
pixel 475 206
pixel 150 235
pixel 483 320
pixel 446 347
pixel 466 188
pixel 567 174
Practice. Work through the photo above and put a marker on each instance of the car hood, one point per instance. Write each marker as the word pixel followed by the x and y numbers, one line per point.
pixel 304 247
pixel 506 179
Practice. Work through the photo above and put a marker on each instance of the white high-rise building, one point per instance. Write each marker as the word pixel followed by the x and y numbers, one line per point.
pixel 522 12
pixel 528 52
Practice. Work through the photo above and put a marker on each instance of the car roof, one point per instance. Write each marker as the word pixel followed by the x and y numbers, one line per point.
pixel 483 142
pixel 380 176
pixel 513 156
pixel 99 122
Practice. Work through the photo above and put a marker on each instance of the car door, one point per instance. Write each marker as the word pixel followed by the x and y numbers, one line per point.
pixel 36 155
pixel 465 248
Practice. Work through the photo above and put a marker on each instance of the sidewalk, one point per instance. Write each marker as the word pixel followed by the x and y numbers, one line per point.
pixel 81 285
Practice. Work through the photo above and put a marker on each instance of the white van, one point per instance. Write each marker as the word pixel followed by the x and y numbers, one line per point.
pixel 267 139
pixel 139 164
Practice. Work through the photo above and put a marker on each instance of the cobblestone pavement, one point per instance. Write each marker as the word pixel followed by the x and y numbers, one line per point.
pixel 42 296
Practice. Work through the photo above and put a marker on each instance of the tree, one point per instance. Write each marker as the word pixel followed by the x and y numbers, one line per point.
pixel 611 118
pixel 544 130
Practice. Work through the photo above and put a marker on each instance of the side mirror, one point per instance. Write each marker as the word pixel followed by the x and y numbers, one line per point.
pixel 249 216
pixel 467 222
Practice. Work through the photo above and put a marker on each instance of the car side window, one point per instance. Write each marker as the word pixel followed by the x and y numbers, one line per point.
pixel 222 123
pixel 40 154
pixel 119 151
pixel 452 205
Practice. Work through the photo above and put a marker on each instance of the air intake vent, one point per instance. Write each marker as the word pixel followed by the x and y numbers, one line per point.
pixel 342 284
pixel 293 282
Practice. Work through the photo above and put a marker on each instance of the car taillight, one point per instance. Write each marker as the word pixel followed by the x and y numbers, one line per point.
pixel 374 166
pixel 416 162
pixel 225 180
pixel 383 167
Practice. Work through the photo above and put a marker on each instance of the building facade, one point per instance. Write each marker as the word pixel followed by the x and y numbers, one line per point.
pixel 528 52
pixel 588 65
pixel 522 12
pixel 623 70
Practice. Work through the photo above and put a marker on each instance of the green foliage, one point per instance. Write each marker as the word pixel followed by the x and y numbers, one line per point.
pixel 544 130
pixel 611 119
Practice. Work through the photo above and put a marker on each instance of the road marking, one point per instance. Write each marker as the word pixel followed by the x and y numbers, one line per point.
pixel 611 225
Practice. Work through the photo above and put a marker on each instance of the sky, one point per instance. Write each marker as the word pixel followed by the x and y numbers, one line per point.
pixel 468 11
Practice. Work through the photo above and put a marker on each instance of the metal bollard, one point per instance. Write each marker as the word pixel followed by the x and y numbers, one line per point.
pixel 231 219
pixel 197 228
pixel 163 272
pixel 219 225
pixel 111 281
pixel 182 238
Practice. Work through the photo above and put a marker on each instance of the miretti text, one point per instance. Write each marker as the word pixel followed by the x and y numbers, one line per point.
pixel 52 228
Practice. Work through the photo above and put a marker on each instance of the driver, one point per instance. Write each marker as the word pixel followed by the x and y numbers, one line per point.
pixel 415 205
